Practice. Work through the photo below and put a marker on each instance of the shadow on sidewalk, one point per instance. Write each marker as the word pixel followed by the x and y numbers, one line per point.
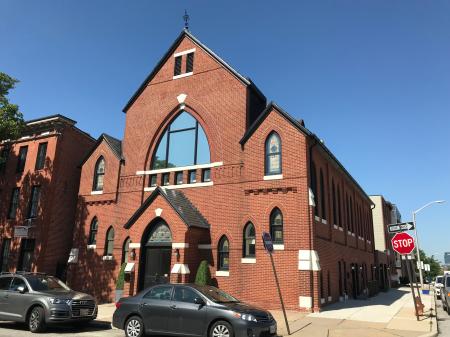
pixel 383 298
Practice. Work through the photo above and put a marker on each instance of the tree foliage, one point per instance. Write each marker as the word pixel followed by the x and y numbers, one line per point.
pixel 121 277
pixel 203 276
pixel 11 119
pixel 435 266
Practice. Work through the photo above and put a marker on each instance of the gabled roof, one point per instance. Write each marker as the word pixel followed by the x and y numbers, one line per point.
pixel 114 144
pixel 179 202
pixel 273 106
pixel 184 33
pixel 50 118
pixel 301 127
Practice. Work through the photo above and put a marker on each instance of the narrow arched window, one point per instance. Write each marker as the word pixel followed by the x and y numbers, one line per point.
pixel 314 188
pixel 273 154
pixel 322 196
pixel 183 143
pixel 249 240
pixel 276 226
pixel 223 253
pixel 109 242
pixel 125 250
pixel 93 232
pixel 99 175
pixel 333 194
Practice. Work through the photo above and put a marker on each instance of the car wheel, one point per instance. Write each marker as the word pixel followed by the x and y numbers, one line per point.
pixel 36 320
pixel 221 329
pixel 134 327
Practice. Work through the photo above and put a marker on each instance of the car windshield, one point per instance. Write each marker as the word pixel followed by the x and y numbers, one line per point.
pixel 439 279
pixel 217 295
pixel 45 283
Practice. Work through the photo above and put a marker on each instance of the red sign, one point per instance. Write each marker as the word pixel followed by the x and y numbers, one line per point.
pixel 403 243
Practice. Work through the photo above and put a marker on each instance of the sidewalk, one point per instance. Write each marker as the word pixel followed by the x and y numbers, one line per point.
pixel 386 315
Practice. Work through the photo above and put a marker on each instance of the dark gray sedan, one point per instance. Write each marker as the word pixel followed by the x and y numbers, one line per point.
pixel 190 310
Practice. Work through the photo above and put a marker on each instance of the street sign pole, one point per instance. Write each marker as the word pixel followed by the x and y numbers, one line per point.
pixel 415 281
pixel 408 268
pixel 268 245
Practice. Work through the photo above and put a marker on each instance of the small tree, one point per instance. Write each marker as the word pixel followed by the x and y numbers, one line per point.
pixel 121 278
pixel 203 276
pixel 11 119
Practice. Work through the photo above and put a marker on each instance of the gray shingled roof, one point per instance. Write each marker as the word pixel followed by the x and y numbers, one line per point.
pixel 114 143
pixel 190 215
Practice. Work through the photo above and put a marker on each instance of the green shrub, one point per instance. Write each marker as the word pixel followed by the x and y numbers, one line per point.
pixel 203 276
pixel 121 277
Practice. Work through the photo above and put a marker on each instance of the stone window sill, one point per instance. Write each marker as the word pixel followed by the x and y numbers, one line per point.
pixel 248 260
pixel 107 258
pixel 278 246
pixel 273 177
pixel 91 246
pixel 225 273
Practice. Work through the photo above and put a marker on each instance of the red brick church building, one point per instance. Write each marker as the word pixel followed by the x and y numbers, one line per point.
pixel 206 165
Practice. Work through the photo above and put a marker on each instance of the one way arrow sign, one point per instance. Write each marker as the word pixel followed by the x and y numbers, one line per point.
pixel 401 227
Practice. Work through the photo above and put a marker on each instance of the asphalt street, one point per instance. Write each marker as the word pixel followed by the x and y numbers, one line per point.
pixel 443 320
pixel 94 329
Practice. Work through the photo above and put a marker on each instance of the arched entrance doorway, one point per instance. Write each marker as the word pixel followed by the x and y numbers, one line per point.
pixel 156 249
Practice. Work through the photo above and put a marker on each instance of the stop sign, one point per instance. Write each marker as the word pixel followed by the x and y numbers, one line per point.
pixel 403 243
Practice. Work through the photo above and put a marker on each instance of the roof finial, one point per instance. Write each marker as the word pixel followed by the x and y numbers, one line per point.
pixel 186 20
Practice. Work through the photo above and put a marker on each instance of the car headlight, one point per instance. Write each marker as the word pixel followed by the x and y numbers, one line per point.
pixel 248 317
pixel 59 301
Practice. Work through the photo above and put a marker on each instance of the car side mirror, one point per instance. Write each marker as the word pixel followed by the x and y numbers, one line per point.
pixel 21 289
pixel 199 301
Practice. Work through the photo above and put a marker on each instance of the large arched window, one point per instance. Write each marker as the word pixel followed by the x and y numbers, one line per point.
pixel 223 253
pixel 249 240
pixel 273 154
pixel 276 226
pixel 93 232
pixel 125 250
pixel 314 188
pixel 109 242
pixel 183 143
pixel 99 174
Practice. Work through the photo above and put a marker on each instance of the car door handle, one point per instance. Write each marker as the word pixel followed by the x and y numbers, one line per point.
pixel 173 306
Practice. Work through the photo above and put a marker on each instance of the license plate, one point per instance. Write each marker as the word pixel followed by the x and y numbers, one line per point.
pixel 273 328
pixel 84 312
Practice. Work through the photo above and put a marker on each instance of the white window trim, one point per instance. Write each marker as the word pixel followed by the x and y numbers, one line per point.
pixel 184 52
pixel 180 245
pixel 317 218
pixel 324 221
pixel 248 260
pixel 91 247
pixel 134 245
pixel 341 228
pixel 273 177
pixel 180 168
pixel 322 301
pixel 175 187
pixel 96 192
pixel 330 298
pixel 107 258
pixel 182 75
pixel 335 226
pixel 278 246
pixel 222 273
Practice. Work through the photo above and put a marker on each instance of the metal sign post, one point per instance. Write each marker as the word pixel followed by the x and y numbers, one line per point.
pixel 408 268
pixel 268 245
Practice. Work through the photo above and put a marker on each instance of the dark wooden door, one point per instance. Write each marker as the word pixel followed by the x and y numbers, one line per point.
pixel 157 265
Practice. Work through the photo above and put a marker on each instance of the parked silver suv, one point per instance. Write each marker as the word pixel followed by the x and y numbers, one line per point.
pixel 39 299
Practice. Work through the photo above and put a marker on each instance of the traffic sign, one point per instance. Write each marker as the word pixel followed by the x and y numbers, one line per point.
pixel 267 241
pixel 401 227
pixel 403 243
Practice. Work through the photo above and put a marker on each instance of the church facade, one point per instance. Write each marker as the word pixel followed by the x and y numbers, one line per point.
pixel 206 165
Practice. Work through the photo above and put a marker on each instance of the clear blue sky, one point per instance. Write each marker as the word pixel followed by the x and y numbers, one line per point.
pixel 372 78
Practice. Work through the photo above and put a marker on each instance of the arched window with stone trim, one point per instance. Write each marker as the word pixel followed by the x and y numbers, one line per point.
pixel 109 242
pixel 276 226
pixel 223 252
pixel 273 154
pixel 99 174
pixel 93 232
pixel 126 250
pixel 183 143
pixel 249 243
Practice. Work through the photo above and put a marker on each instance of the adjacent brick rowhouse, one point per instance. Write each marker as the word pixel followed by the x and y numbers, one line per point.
pixel 48 232
pixel 328 249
